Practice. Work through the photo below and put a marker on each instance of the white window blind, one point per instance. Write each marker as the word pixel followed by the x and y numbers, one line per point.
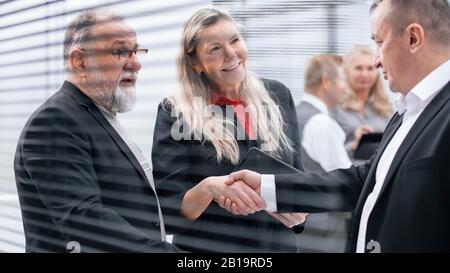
pixel 281 35
pixel 31 70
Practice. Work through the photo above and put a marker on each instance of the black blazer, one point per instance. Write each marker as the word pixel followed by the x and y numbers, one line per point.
pixel 77 180
pixel 412 213
pixel 179 165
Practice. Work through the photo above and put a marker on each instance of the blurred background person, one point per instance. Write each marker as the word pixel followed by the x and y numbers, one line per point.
pixel 322 145
pixel 190 172
pixel 321 136
pixel 365 107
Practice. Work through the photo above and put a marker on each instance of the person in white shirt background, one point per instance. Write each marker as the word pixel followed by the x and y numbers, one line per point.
pixel 321 136
pixel 323 149
pixel 400 197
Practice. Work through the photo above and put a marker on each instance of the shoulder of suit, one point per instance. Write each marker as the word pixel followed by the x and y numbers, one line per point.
pixel 59 105
pixel 57 112
pixel 277 89
pixel 274 85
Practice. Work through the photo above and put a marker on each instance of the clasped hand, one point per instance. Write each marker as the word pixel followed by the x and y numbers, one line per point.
pixel 239 193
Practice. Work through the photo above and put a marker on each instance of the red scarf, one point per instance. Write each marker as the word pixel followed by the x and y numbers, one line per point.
pixel 239 109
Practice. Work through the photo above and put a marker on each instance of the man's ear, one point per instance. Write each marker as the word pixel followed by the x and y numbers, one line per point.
pixel 77 61
pixel 326 83
pixel 416 36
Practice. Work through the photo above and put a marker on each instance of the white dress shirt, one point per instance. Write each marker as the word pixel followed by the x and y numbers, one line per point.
pixel 323 139
pixel 412 106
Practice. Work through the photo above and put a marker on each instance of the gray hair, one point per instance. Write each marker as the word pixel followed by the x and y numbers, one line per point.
pixel 432 15
pixel 318 68
pixel 79 29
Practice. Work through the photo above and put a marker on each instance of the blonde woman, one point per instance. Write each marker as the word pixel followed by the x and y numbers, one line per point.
pixel 366 107
pixel 218 113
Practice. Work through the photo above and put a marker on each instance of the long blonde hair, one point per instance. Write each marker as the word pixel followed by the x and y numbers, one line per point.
pixel 269 125
pixel 377 95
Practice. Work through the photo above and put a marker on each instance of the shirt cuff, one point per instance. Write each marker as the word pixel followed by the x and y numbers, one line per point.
pixel 268 192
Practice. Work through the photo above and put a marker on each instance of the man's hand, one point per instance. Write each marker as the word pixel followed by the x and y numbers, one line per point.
pixel 252 179
pixel 245 199
pixel 289 219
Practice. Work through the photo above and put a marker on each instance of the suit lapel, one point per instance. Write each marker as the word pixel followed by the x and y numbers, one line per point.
pixel 85 101
pixel 392 127
pixel 419 126
pixel 118 140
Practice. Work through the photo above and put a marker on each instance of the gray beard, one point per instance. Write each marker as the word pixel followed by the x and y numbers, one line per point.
pixel 111 95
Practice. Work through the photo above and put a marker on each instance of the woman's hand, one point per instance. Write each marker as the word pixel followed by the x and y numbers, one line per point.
pixel 359 132
pixel 244 199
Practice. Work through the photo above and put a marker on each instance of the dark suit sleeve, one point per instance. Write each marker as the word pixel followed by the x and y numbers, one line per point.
pixel 333 191
pixel 57 156
pixel 172 167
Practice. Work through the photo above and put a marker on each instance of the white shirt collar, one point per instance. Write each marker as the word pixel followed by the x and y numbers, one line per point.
pixel 424 90
pixel 316 102
pixel 106 112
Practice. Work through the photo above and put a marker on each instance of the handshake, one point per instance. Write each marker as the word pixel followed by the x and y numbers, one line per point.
pixel 239 193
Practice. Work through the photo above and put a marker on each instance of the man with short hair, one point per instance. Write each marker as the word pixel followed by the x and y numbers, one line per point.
pixel 320 135
pixel 83 183
pixel 323 148
pixel 400 197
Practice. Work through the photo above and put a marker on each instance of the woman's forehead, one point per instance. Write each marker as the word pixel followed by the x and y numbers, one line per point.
pixel 223 29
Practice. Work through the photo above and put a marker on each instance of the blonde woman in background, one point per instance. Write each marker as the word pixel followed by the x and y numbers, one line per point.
pixel 190 171
pixel 365 107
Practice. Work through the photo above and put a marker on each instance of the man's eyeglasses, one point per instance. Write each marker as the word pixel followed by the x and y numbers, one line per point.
pixel 122 54
pixel 127 53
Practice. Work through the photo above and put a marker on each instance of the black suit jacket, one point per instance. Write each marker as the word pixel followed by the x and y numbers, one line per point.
pixel 180 165
pixel 78 181
pixel 412 212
